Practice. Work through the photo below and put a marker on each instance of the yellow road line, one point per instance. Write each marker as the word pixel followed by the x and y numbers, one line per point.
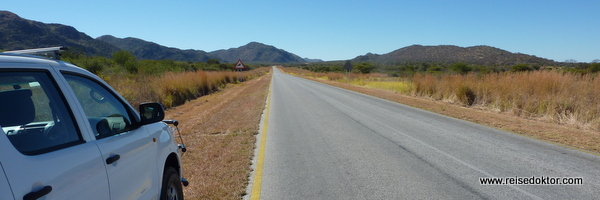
pixel 260 160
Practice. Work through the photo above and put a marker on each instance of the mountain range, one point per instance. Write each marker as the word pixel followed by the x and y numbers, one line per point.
pixel 142 49
pixel 449 54
pixel 17 33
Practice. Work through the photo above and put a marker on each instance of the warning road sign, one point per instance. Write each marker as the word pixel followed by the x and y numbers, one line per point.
pixel 239 65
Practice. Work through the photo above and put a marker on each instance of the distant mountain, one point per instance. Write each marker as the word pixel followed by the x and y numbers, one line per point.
pixel 142 49
pixel 312 60
pixel 17 33
pixel 448 54
pixel 255 52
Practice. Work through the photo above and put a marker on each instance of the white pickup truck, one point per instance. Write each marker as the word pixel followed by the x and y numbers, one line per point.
pixel 66 134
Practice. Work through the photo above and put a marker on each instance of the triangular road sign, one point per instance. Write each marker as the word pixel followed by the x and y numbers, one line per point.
pixel 239 65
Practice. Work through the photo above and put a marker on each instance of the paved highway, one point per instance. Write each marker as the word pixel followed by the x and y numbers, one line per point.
pixel 323 142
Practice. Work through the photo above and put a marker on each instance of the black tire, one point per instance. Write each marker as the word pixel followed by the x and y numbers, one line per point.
pixel 171 185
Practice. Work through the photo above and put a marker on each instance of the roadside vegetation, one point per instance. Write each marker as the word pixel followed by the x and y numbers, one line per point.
pixel 408 69
pixel 169 82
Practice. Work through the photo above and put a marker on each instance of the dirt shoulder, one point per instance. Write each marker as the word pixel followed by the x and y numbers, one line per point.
pixel 568 136
pixel 219 132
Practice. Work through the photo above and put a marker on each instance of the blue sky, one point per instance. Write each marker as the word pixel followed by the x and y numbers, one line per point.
pixel 337 30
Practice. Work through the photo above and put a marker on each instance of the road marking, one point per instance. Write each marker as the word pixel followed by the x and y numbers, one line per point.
pixel 260 160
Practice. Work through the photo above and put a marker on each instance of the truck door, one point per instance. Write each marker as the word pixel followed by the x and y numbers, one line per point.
pixel 43 153
pixel 127 149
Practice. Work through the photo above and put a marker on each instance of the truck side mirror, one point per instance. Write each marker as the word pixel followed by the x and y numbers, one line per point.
pixel 151 113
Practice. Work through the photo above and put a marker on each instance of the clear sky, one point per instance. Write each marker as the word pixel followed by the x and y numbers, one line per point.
pixel 336 29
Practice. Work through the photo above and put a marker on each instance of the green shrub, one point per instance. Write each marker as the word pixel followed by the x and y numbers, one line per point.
pixel 520 68
pixel 461 68
pixel 93 65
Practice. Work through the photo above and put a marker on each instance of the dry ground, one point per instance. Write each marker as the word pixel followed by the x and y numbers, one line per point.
pixel 219 132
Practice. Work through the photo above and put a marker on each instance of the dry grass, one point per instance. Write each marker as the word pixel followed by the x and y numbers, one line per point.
pixel 555 97
pixel 173 89
pixel 219 130
pixel 552 106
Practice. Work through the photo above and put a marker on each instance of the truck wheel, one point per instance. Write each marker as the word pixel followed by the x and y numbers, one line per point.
pixel 171 185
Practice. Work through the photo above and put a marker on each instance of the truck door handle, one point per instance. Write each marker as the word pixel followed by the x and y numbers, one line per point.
pixel 38 194
pixel 112 159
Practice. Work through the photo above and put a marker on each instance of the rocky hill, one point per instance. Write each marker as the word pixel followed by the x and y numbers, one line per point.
pixel 258 53
pixel 448 54
pixel 17 33
pixel 142 49
pixel 252 52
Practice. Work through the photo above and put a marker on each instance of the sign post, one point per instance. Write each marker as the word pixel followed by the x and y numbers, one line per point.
pixel 239 66
pixel 348 68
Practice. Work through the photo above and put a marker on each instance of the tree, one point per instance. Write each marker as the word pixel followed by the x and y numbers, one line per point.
pixel 364 68
pixel 122 57
pixel 132 67
pixel 461 68
pixel 571 61
pixel 595 67
pixel 93 65
pixel 212 61
pixel 348 65
pixel 520 68
pixel 127 60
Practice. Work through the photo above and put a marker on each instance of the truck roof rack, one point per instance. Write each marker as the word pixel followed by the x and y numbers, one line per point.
pixel 50 52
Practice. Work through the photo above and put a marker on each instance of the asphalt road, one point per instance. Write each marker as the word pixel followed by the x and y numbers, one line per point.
pixel 329 143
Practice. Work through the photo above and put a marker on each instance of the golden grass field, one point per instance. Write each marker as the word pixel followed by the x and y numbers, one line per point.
pixel 173 89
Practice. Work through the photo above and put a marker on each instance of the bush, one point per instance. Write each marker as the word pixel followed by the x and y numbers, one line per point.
pixel 131 67
pixel 363 68
pixel 93 65
pixel 465 95
pixel 461 68
pixel 520 68
pixel 122 57
pixel 595 67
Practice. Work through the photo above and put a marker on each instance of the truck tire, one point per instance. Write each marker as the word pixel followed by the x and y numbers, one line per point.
pixel 171 185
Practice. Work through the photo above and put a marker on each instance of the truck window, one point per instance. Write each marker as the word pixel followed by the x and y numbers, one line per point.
pixel 106 114
pixel 34 114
